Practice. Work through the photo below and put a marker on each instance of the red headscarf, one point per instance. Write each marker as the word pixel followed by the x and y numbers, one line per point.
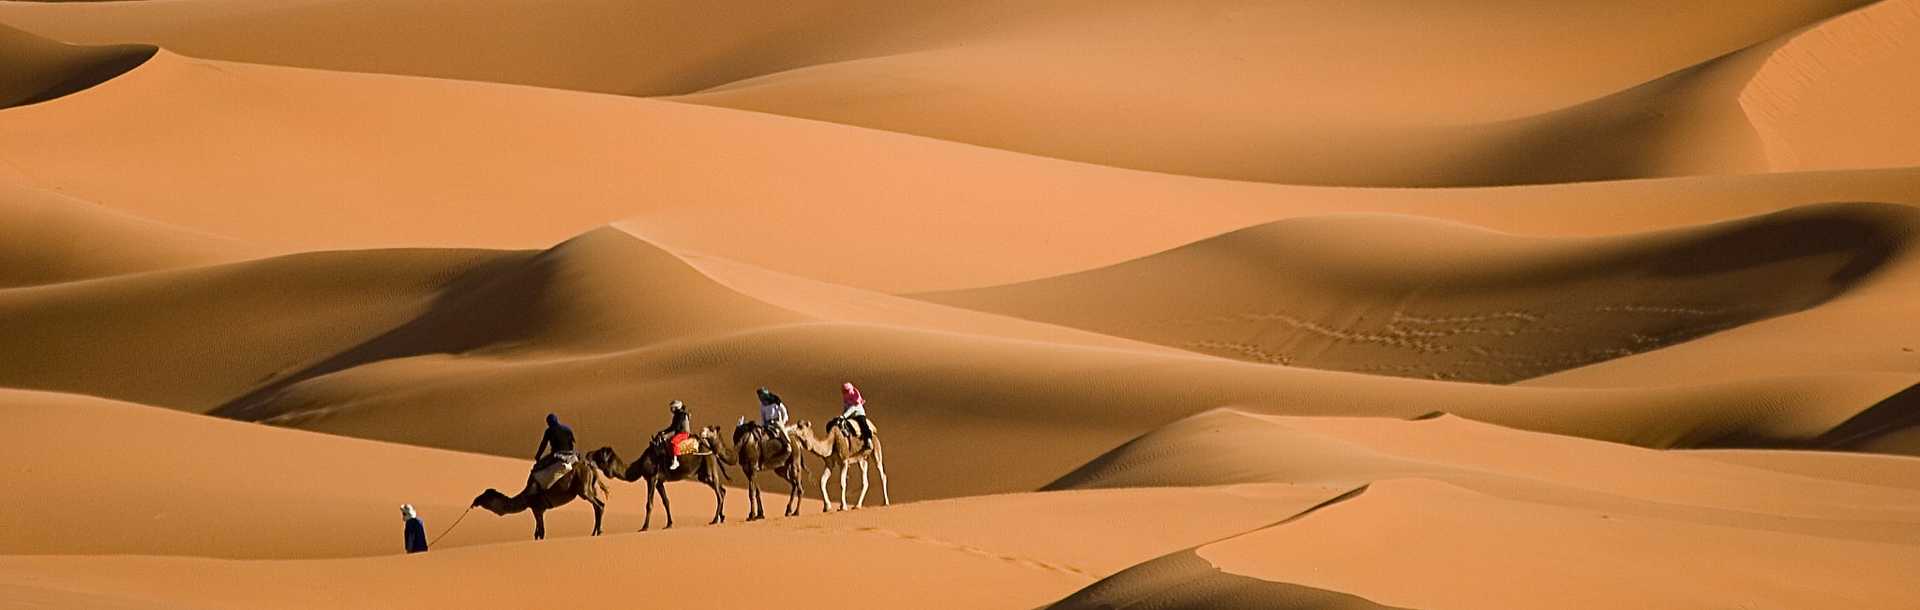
pixel 851 395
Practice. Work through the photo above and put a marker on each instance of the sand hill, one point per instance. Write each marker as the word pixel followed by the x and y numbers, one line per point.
pixel 1155 303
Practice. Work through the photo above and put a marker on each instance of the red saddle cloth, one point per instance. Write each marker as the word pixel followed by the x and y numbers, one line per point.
pixel 679 440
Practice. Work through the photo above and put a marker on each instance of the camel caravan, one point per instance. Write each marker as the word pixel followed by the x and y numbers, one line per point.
pixel 771 444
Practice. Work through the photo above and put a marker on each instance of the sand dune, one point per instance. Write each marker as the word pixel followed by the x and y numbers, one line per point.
pixel 1417 298
pixel 1821 101
pixel 1440 489
pixel 305 164
pixel 50 238
pixel 1226 447
pixel 1159 260
pixel 196 337
pixel 1249 96
pixel 497 339
pixel 1448 547
pixel 39 69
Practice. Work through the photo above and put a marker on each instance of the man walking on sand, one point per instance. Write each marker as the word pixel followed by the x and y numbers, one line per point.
pixel 416 531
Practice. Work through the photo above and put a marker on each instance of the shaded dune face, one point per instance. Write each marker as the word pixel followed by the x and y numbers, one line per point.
pixel 34 69
pixel 1185 581
pixel 1423 299
pixel 604 291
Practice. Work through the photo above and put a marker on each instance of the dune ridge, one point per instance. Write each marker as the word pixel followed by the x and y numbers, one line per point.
pixel 1812 105
pixel 818 200
pixel 1027 83
pixel 39 69
pixel 1409 468
pixel 50 238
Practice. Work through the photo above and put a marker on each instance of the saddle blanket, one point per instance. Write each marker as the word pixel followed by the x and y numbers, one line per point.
pixel 561 464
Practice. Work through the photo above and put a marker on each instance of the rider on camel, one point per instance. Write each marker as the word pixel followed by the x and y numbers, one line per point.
pixel 676 432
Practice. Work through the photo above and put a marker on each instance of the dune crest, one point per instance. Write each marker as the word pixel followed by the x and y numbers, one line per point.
pixel 38 69
pixel 1823 100
pixel 1470 494
pixel 46 238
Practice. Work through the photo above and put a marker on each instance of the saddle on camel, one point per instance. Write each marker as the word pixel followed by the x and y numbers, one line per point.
pixel 677 439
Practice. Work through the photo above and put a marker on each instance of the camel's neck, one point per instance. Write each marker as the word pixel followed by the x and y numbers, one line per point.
pixel 502 504
pixel 822 448
pixel 639 469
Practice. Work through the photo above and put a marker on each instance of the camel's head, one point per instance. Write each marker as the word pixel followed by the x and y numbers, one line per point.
pixel 489 499
pixel 805 425
pixel 603 459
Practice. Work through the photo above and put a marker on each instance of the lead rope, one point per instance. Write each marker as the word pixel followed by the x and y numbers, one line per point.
pixel 456 523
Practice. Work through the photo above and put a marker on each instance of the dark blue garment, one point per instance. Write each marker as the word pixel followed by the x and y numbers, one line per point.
pixel 558 438
pixel 416 536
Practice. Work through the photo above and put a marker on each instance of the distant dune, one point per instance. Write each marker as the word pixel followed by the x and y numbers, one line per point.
pixel 1415 298
pixel 1250 94
pixel 1361 304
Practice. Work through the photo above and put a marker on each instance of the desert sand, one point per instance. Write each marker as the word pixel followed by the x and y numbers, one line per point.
pixel 1157 304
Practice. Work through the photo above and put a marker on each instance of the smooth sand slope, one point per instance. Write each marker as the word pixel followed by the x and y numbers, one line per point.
pixel 47 238
pixel 1459 508
pixel 902 554
pixel 1254 92
pixel 109 478
pixel 1416 298
pixel 298 159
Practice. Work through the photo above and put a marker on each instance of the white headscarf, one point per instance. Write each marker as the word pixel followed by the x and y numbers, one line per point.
pixel 406 511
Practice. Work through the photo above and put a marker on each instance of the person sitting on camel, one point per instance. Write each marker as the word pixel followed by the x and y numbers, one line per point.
pixel 773 414
pixel 676 432
pixel 855 412
pixel 556 443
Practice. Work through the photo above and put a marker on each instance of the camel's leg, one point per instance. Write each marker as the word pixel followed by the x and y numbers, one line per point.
pixel 759 508
pixel 649 520
pixel 539 524
pixel 880 463
pixel 843 486
pixel 599 510
pixel 793 494
pixel 719 502
pixel 826 501
pixel 751 497
pixel 863 486
pixel 665 505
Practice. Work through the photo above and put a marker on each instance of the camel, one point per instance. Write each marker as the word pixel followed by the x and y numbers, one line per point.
pixel 756 450
pixel 652 467
pixel 838 450
pixel 582 482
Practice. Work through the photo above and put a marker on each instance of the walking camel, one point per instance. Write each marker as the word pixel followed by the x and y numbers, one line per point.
pixel 580 482
pixel 652 467
pixel 838 450
pixel 755 449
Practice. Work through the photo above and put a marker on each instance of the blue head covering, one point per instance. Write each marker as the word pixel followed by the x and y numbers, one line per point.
pixel 553 420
